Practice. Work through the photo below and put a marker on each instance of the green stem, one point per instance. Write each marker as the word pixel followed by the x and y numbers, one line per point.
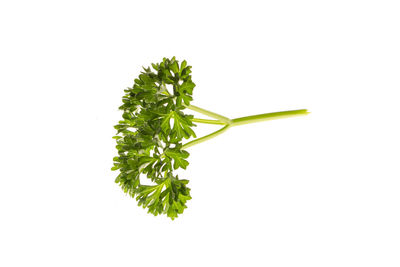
pixel 208 121
pixel 210 114
pixel 205 138
pixel 269 116
pixel 238 121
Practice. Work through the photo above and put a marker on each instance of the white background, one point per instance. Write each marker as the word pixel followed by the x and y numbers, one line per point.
pixel 321 190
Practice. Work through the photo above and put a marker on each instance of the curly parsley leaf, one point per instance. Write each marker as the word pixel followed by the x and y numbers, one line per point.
pixel 149 138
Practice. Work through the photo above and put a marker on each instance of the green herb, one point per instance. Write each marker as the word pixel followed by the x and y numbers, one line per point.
pixel 150 137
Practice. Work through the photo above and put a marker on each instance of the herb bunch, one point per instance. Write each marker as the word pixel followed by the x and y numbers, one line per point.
pixel 150 136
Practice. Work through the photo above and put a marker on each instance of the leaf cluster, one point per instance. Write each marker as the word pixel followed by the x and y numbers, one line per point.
pixel 149 137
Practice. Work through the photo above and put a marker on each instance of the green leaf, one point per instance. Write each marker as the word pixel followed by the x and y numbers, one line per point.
pixel 115 168
pixel 182 125
pixel 187 87
pixel 179 157
pixel 175 67
pixel 186 99
pixel 183 65
pixel 165 124
pixel 150 135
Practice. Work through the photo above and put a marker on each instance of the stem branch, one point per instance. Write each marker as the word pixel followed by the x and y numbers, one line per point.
pixel 206 137
pixel 221 120
pixel 208 121
pixel 210 114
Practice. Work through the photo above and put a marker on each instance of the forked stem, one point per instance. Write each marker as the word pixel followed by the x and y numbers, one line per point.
pixel 221 120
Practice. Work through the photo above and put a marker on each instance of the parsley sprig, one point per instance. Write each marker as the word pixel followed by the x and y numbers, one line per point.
pixel 150 137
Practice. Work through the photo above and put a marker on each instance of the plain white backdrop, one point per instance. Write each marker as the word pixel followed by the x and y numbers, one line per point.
pixel 321 190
